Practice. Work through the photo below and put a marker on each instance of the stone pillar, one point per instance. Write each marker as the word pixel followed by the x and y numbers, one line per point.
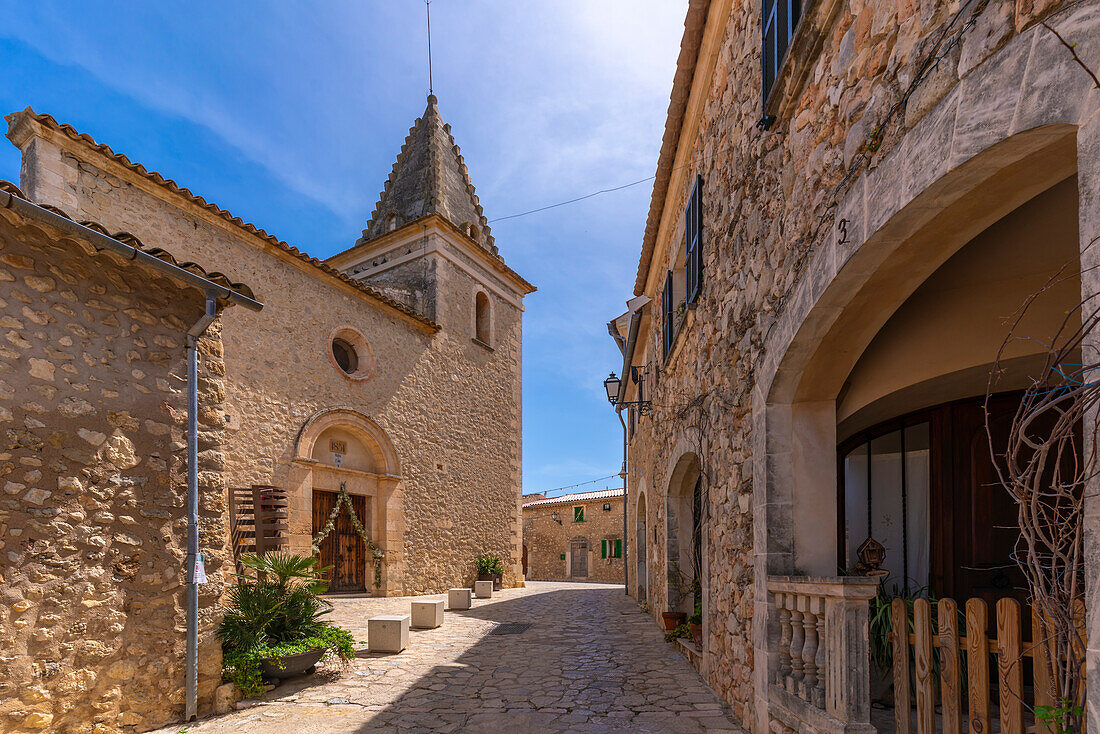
pixel 848 664
pixel 300 506
pixel 1088 183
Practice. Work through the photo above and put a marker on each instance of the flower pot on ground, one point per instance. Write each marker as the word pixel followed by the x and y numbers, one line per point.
pixel 491 568
pixel 272 626
pixel 672 620
pixel 282 667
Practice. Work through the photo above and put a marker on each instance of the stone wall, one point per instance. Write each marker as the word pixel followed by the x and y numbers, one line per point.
pixel 768 202
pixel 450 407
pixel 92 467
pixel 548 541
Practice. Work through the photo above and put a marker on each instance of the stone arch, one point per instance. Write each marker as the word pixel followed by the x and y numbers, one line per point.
pixel 683 531
pixel 373 438
pixel 370 472
pixel 641 545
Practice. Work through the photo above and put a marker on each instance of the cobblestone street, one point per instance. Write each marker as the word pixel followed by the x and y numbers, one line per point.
pixel 590 662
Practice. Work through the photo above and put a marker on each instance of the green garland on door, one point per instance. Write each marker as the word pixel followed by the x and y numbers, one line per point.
pixel 344 500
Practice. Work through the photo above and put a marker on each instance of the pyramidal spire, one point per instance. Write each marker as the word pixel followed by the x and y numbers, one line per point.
pixel 430 177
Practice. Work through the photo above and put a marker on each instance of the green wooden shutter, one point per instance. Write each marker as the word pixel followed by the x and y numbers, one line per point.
pixel 618 547
pixel 603 549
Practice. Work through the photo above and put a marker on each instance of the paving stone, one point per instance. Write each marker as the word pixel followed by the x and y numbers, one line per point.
pixel 591 662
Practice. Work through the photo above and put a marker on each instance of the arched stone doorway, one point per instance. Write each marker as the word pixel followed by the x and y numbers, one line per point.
pixel 343 449
pixel 684 536
pixel 905 320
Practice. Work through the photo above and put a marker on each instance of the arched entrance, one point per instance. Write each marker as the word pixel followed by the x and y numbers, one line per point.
pixel 344 451
pixel 684 515
pixel 909 324
pixel 882 365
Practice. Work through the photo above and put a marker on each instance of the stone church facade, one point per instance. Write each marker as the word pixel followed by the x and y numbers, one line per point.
pixel 852 200
pixel 398 384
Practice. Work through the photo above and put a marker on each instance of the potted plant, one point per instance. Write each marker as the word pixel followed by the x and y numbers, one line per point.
pixel 695 624
pixel 491 568
pixel 272 628
pixel 672 620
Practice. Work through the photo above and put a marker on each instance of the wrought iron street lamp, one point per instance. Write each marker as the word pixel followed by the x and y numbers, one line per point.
pixel 612 384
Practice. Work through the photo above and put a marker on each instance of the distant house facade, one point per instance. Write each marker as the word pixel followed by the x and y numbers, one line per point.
pixel 372 408
pixel 574 537
pixel 852 203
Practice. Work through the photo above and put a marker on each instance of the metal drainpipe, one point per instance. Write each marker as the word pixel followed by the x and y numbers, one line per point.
pixel 192 658
pixel 625 475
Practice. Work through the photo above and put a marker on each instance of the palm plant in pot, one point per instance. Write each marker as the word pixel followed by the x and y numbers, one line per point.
pixel 491 568
pixel 272 628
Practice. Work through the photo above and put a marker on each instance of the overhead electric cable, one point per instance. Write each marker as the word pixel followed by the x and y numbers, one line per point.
pixel 577 486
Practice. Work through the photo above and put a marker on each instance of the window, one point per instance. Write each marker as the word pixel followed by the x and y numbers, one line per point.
pixel 344 354
pixel 693 241
pixel 668 315
pixel 886 496
pixel 578 514
pixel 611 548
pixel 350 353
pixel 481 318
pixel 779 19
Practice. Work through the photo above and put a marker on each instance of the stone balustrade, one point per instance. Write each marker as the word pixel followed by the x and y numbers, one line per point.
pixel 820 652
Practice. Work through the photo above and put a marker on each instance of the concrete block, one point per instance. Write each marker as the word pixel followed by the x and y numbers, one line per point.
pixel 388 633
pixel 427 614
pixel 483 589
pixel 459 599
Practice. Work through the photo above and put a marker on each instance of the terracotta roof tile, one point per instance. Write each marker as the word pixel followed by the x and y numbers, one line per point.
pixel 167 183
pixel 694 25
pixel 567 499
pixel 128 239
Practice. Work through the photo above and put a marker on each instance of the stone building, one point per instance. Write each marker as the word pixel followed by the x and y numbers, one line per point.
pixel 92 405
pixel 575 537
pixel 391 372
pixel 852 201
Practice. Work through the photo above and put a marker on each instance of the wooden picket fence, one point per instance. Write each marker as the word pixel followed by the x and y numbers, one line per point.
pixel 978 646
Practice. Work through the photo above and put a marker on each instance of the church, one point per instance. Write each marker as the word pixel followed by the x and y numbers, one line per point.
pixel 368 412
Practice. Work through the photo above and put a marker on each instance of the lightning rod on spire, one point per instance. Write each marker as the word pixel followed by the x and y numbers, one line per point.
pixel 428 12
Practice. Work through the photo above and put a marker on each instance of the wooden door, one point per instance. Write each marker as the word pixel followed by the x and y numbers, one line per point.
pixel 343 548
pixel 323 502
pixel 579 559
pixel 986 527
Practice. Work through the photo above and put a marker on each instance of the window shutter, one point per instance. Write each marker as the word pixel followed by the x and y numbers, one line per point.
pixel 618 547
pixel 693 241
pixel 667 308
pixel 603 549
pixel 778 20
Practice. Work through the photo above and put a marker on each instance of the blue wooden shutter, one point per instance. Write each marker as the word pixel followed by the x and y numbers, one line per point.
pixel 693 241
pixel 667 308
pixel 778 20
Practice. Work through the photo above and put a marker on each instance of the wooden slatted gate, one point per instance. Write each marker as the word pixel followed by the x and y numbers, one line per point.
pixel 257 520
pixel 917 674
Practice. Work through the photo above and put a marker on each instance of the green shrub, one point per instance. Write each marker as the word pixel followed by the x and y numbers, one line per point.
pixel 681 630
pixel 489 565
pixel 276 613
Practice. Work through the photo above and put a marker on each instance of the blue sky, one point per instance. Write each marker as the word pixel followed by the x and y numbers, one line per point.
pixel 290 115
